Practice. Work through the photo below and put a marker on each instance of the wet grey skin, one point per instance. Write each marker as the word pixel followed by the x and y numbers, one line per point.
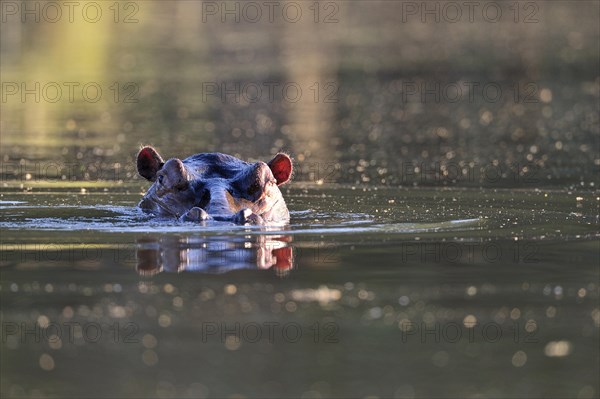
pixel 215 186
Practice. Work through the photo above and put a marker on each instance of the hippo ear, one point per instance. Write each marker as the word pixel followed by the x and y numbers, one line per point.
pixel 281 166
pixel 149 162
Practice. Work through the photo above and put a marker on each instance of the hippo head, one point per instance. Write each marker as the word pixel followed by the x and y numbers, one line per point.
pixel 214 185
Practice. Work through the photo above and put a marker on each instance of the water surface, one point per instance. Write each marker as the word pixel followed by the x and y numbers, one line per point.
pixel 392 281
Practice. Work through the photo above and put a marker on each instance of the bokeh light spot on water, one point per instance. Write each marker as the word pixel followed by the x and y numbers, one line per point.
pixel 470 321
pixel 291 306
pixel 546 95
pixel 519 359
pixel 46 362
pixel 149 357
pixel 374 313
pixel 366 295
pixel 530 326
pixel 169 288
pixel 117 311
pixel 43 321
pixel 551 312
pixel 515 314
pixel 149 341
pixel 232 342
pixel 405 325
pixel 230 289
pixel 178 302
pixel 558 292
pixel 558 348
pixel 322 295
pixel 404 300
pixel 164 320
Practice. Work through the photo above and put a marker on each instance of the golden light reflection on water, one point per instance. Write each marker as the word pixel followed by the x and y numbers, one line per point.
pixel 149 357
pixel 63 61
pixel 558 348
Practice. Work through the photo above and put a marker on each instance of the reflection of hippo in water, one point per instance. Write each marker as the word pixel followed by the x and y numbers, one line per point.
pixel 214 254
pixel 215 186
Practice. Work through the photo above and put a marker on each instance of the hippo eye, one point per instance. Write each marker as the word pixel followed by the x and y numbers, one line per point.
pixel 184 185
pixel 253 188
pixel 204 200
pixel 160 179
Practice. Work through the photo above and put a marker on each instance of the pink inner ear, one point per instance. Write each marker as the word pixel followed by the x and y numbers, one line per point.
pixel 148 163
pixel 146 155
pixel 281 166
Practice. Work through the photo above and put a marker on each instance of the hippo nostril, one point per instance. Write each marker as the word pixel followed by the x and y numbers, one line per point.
pixel 204 200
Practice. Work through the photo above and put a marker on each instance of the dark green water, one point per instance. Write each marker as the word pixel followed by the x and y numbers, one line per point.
pixel 374 300
pixel 439 246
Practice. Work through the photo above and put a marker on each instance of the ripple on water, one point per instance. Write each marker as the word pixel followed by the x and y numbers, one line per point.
pixel 437 213
pixel 119 219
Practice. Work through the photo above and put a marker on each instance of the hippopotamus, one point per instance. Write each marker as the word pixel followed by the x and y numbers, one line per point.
pixel 215 186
